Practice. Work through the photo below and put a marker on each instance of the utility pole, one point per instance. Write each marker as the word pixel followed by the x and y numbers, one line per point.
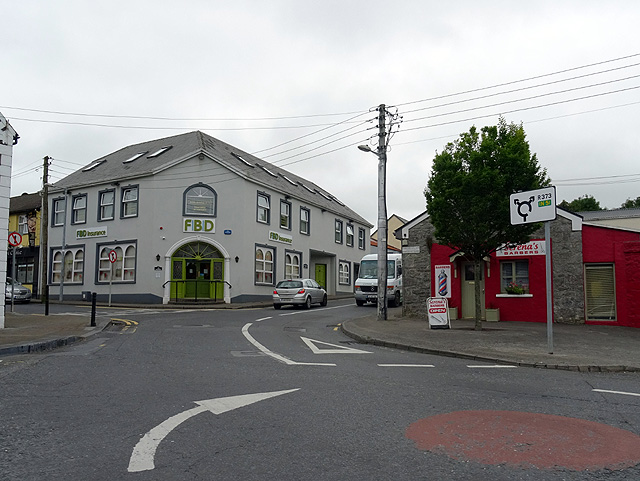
pixel 44 229
pixel 382 213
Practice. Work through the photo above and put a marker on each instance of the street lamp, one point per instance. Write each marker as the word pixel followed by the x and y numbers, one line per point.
pixel 382 219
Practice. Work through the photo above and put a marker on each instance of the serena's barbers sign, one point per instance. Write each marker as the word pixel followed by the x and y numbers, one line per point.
pixel 532 248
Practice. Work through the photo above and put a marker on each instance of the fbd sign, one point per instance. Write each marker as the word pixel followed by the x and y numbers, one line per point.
pixel 206 225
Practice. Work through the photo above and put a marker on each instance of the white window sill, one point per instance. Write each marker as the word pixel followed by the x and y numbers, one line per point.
pixel 514 295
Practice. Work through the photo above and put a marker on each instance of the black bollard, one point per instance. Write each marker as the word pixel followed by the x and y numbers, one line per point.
pixel 93 309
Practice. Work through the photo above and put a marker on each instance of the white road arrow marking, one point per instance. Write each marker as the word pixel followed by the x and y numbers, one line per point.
pixel 144 452
pixel 617 392
pixel 337 349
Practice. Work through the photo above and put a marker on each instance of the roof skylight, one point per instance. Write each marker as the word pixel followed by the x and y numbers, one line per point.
pixel 288 179
pixel 159 152
pixel 242 160
pixel 134 157
pixel 268 171
pixel 324 195
pixel 307 188
pixel 93 165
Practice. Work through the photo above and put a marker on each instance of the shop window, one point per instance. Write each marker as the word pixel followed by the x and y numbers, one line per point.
pixel 129 202
pixel 292 265
pixel 79 209
pixel 264 208
pixel 600 292
pixel 305 221
pixel 339 231
pixel 200 200
pixel 350 235
pixel 59 208
pixel 106 207
pixel 514 277
pixel 72 265
pixel 344 277
pixel 361 241
pixel 264 265
pixel 123 269
pixel 25 270
pixel 285 215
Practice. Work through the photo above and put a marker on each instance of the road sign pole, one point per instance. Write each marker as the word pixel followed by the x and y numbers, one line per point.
pixel 547 246
pixel 13 277
pixel 110 282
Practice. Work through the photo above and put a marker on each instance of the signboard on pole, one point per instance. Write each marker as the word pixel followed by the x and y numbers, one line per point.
pixel 15 239
pixel 533 206
pixel 438 309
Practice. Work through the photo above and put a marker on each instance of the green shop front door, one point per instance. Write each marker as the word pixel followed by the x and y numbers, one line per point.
pixel 197 272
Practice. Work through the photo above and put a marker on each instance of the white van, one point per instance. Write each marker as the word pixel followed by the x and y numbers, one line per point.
pixel 367 282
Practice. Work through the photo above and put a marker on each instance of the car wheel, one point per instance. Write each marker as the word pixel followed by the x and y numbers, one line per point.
pixel 277 306
pixel 359 303
pixel 324 301
pixel 307 303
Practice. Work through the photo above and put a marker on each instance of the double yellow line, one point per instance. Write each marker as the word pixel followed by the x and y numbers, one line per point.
pixel 128 324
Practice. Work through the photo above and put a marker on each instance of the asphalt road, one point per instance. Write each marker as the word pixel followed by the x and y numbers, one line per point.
pixel 165 397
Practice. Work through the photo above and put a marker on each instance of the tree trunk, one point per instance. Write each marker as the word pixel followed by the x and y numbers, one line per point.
pixel 477 275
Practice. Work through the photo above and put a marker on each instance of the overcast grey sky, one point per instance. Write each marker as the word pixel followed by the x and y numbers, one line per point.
pixel 258 74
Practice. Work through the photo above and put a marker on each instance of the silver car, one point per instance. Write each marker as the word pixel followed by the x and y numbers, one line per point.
pixel 20 293
pixel 299 292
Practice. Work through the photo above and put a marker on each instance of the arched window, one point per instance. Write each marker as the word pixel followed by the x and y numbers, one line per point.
pixel 200 200
pixel 264 265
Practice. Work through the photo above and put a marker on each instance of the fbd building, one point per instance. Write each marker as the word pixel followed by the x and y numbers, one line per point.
pixel 192 218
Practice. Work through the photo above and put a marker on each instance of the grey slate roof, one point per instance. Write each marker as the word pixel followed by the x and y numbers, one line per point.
pixel 25 203
pixel 111 168
pixel 610 214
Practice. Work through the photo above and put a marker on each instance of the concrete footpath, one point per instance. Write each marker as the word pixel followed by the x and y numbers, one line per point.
pixel 575 347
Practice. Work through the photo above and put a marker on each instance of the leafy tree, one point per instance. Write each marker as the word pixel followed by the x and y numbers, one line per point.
pixel 469 187
pixel 583 203
pixel 631 204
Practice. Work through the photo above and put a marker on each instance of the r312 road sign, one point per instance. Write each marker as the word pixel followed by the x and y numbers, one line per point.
pixel 533 206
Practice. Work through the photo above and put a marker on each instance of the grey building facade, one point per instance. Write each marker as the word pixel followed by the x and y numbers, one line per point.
pixel 190 217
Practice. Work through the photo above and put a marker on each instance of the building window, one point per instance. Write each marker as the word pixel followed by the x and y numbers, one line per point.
pixel 305 221
pixel 123 269
pixel 23 227
pixel 25 269
pixel 361 242
pixel 200 200
pixel 130 202
pixel 264 265
pixel 350 235
pixel 264 208
pixel 285 215
pixel 72 265
pixel 292 265
pixel 106 206
pixel 339 231
pixel 59 207
pixel 514 277
pixel 344 273
pixel 600 292
pixel 79 209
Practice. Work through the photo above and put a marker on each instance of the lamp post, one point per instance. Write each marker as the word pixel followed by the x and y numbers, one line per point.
pixel 382 213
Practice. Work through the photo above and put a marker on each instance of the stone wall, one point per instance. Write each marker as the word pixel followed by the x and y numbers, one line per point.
pixel 568 276
pixel 416 270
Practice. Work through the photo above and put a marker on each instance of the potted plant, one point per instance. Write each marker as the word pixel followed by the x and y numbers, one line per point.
pixel 515 288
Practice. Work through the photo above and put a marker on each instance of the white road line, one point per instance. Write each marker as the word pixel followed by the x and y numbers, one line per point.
pixel 406 365
pixel 278 357
pixel 496 366
pixel 143 456
pixel 311 343
pixel 618 392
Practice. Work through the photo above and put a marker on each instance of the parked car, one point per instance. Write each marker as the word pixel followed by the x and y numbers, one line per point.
pixel 298 292
pixel 20 293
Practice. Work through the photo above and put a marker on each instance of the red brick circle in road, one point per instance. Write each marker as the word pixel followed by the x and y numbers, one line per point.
pixel 526 439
